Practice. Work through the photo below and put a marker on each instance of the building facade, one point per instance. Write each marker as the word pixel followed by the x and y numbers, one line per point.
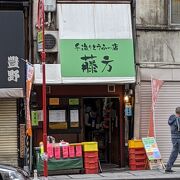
pixel 90 65
pixel 157 56
pixel 14 48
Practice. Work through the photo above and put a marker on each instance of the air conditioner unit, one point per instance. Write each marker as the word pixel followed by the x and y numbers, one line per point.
pixel 51 42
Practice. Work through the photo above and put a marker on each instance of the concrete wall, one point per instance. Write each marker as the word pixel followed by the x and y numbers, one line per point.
pixel 157 48
pixel 151 12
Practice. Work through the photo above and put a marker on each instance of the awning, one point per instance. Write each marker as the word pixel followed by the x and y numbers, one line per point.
pixel 96 44
pixel 11 93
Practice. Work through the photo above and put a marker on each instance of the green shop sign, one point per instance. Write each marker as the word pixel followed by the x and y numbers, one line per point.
pixel 97 58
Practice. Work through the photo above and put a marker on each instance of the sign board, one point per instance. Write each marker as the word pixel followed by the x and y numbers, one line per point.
pixel 40 40
pixel 34 117
pixel 12 47
pixel 151 148
pixel 53 101
pixel 128 110
pixel 97 58
pixel 74 101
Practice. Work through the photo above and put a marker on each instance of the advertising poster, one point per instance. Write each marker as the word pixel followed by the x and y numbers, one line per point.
pixel 151 148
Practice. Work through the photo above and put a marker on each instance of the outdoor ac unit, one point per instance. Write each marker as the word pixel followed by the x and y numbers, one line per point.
pixel 51 41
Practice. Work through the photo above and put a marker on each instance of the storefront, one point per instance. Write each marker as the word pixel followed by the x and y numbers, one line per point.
pixel 71 104
pixel 12 83
pixel 85 92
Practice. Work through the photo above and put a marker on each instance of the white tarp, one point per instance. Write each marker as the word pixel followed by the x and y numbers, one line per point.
pixel 53 74
pixel 94 21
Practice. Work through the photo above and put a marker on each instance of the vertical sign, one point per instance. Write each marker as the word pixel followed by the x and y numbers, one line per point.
pixel 22 140
pixel 29 78
pixel 12 68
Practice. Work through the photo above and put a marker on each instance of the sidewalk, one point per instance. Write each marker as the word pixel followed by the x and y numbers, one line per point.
pixel 123 175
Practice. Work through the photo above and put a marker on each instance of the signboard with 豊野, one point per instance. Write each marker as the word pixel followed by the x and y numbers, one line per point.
pixel 151 148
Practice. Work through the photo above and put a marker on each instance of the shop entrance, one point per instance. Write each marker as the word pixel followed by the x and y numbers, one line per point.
pixel 101 124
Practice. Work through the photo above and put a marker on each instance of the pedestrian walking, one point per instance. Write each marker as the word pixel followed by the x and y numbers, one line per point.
pixel 174 123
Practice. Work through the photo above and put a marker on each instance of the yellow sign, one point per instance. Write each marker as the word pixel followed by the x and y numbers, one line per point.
pixel 61 125
pixel 40 36
pixel 74 124
pixel 53 101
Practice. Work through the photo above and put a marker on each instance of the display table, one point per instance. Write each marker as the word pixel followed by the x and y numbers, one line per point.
pixel 57 166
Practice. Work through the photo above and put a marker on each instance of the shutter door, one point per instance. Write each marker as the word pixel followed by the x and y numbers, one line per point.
pixel 145 95
pixel 8 132
pixel 168 100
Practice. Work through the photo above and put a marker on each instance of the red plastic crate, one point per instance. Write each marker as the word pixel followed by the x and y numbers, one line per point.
pixel 91 157
pixel 138 163
pixel 91 171
pixel 90 154
pixel 137 167
pixel 137 151
pixel 91 165
pixel 137 156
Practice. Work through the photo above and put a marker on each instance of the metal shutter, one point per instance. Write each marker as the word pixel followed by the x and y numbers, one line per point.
pixel 145 95
pixel 8 132
pixel 168 100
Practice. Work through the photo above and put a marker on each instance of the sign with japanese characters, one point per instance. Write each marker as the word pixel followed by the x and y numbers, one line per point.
pixel 97 58
pixel 12 66
pixel 151 148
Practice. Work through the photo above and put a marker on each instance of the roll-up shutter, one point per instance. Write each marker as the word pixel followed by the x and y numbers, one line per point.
pixel 8 131
pixel 145 94
pixel 168 100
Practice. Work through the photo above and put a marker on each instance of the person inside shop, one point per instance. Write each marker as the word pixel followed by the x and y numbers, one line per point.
pixel 90 122
pixel 174 123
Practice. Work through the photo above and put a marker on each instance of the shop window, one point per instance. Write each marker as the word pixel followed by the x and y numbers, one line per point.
pixel 174 12
pixel 63 114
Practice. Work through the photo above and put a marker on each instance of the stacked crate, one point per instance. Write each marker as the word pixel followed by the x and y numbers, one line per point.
pixel 137 155
pixel 91 161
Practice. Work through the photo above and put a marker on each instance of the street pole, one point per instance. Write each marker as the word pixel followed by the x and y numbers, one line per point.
pixel 41 21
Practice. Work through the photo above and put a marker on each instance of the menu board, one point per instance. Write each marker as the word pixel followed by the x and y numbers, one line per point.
pixel 151 148
pixel 57 115
pixel 74 115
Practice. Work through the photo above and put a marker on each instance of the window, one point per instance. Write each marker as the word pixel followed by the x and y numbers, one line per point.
pixel 64 115
pixel 175 12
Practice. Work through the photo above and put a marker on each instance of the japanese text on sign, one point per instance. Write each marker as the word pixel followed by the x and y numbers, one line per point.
pixel 91 63
pixel 13 68
pixel 99 47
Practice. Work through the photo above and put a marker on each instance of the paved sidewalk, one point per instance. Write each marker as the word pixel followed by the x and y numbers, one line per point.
pixel 122 175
